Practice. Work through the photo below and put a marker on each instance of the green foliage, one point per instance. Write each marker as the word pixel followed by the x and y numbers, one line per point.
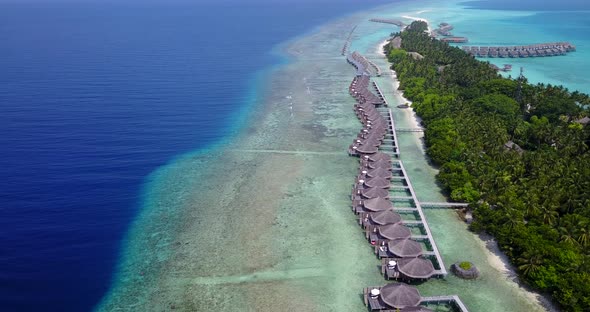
pixel 465 265
pixel 515 152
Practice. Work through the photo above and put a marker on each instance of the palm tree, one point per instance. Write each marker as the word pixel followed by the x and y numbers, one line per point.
pixel 583 235
pixel 530 263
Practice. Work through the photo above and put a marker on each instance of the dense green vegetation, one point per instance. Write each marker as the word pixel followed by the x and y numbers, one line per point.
pixel 516 152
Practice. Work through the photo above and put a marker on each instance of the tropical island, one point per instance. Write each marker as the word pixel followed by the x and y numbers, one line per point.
pixel 517 152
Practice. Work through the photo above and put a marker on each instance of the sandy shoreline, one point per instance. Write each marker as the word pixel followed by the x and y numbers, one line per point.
pixel 415 121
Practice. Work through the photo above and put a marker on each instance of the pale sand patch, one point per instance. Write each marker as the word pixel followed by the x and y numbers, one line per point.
pixel 419 19
pixel 499 261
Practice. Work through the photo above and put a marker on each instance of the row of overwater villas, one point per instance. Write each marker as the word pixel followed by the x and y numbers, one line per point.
pixel 535 50
pixel 402 257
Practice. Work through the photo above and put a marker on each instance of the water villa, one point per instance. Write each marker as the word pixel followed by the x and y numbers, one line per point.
pixel 444 29
pixel 405 298
pixel 533 50
pixel 407 269
pixel 405 246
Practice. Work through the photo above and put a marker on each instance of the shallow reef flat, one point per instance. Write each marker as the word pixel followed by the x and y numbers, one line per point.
pixel 263 223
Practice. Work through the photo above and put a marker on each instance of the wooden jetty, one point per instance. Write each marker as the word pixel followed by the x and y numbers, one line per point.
pixel 443 205
pixel 425 226
pixel 410 129
pixel 379 93
pixel 348 40
pixel 388 21
pixel 532 50
pixel 452 300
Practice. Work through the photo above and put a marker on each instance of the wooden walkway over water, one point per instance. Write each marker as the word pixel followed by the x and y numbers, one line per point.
pixel 422 219
pixel 410 129
pixel 452 300
pixel 443 205
pixel 348 41
pixel 388 21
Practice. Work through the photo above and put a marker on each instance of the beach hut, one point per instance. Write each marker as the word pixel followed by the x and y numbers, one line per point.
pixel 404 248
pixel 377 204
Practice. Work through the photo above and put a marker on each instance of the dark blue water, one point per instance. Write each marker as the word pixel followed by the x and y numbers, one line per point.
pixel 529 5
pixel 93 97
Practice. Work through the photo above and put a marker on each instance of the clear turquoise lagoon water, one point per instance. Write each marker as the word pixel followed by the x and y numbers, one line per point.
pixel 246 207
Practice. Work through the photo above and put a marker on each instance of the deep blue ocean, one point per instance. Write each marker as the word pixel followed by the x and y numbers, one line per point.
pixel 94 95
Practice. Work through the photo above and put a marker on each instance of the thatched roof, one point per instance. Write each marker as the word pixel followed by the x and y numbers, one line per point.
pixel 369 142
pixel 416 267
pixel 400 296
pixel 379 156
pixel 378 204
pixel 379 172
pixel 387 164
pixel 385 217
pixel 378 182
pixel 367 149
pixel 405 248
pixel 394 231
pixel 374 192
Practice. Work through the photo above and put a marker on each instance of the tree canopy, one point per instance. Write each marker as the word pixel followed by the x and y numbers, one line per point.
pixel 515 151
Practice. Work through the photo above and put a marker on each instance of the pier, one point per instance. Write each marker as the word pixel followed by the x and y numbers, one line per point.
pixel 388 21
pixel 533 50
pixel 453 300
pixel 379 93
pixel 348 40
pixel 443 205
pixel 410 129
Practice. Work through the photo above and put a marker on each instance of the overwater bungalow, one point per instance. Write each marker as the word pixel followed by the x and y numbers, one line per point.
pixel 380 235
pixel 387 164
pixel 407 269
pixel 371 192
pixel 377 172
pixel 377 156
pixel 399 248
pixel 370 220
pixel 391 297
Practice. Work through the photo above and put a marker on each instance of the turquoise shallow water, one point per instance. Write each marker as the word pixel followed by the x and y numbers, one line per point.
pixel 264 222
